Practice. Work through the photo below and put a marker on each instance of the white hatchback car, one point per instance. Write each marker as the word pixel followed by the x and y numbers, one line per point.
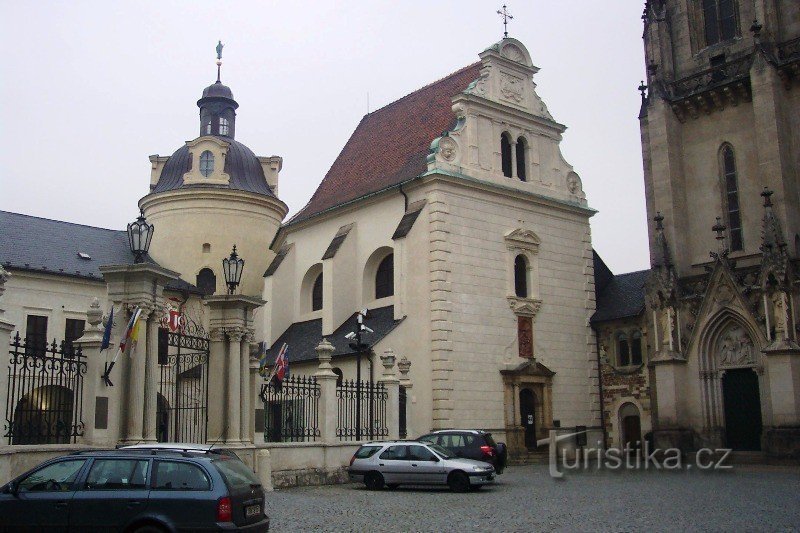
pixel 398 463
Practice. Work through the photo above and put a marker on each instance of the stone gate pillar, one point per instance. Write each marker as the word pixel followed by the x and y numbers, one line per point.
pixel 326 378
pixel 231 321
pixel 90 344
pixel 404 365
pixel 140 285
pixel 392 384
pixel 6 329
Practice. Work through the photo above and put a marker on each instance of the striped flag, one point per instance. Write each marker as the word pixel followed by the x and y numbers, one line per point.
pixel 282 364
pixel 131 335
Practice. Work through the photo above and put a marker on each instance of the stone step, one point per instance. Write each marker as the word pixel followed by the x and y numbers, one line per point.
pixel 529 458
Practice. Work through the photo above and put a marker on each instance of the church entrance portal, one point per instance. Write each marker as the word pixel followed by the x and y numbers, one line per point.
pixel 527 411
pixel 742 409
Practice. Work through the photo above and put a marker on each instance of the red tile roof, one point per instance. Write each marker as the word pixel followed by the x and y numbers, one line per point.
pixel 390 145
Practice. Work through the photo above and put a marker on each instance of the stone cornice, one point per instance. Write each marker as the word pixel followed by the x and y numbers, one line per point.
pixel 524 306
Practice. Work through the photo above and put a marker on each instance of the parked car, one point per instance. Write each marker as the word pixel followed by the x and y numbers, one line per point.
pixel 471 444
pixel 398 463
pixel 144 490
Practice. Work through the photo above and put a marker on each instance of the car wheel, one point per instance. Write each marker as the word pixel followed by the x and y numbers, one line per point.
pixel 393 485
pixel 373 481
pixel 458 482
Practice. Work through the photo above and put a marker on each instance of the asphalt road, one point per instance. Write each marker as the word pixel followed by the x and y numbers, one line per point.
pixel 526 498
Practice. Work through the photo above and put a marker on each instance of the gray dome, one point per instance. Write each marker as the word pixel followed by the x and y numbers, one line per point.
pixel 217 90
pixel 241 164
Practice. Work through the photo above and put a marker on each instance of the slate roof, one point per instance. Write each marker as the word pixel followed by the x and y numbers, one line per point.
pixel 303 337
pixel 241 164
pixel 390 145
pixel 52 247
pixel 623 296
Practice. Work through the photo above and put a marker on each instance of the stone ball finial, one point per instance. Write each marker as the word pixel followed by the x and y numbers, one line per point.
pixel 94 315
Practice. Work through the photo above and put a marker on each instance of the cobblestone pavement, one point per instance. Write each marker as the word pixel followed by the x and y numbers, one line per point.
pixel 749 498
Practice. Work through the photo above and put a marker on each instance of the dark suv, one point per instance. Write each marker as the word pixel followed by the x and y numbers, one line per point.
pixel 143 491
pixel 471 444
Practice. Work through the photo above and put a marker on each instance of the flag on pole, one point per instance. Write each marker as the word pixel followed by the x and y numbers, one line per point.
pixel 128 340
pixel 107 332
pixel 281 370
pixel 262 359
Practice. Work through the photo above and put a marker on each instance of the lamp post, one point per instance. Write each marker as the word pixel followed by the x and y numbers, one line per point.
pixel 358 346
pixel 232 268
pixel 140 233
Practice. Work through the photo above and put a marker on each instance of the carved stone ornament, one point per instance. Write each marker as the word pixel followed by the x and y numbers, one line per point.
pixel 404 365
pixel 523 239
pixel 4 275
pixel 524 306
pixel 511 88
pixel 735 348
pixel 573 184
pixel 513 53
pixel 447 147
pixel 525 336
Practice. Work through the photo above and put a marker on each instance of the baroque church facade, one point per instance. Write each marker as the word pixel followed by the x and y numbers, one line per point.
pixel 701 350
pixel 452 217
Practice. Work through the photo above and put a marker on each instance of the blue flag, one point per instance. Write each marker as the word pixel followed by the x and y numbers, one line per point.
pixel 107 333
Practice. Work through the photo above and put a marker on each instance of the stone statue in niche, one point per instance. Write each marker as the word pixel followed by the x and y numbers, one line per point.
pixel 736 348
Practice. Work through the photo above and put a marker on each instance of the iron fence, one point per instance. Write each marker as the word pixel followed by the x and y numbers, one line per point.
pixel 182 403
pixel 361 410
pixel 291 409
pixel 44 400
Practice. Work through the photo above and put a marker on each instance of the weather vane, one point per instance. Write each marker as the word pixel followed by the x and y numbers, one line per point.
pixel 220 46
pixel 506 17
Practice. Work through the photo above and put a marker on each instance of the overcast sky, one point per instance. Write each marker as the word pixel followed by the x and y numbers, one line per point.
pixel 89 89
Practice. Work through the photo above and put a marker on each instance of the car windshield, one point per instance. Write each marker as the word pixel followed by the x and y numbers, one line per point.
pixel 236 473
pixel 367 451
pixel 441 451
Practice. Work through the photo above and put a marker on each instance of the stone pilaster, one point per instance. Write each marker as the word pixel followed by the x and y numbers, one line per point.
pixel 217 385
pixel 441 308
pixel 233 413
pixel 135 401
pixel 151 377
pixel 392 385
pixel 246 417
pixel 327 392
pixel 89 345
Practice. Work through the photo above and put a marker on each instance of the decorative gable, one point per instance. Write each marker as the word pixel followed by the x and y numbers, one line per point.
pixel 503 103
pixel 197 168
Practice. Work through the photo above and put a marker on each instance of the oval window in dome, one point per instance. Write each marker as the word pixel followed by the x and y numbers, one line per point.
pixel 206 163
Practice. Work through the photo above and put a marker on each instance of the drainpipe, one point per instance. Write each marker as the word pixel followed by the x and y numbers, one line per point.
pixel 405 197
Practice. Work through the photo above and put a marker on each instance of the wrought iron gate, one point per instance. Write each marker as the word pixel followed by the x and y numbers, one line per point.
pixel 44 401
pixel 182 406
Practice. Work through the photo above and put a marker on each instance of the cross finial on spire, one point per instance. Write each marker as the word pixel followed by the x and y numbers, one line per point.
pixel 719 228
pixel 506 17
pixel 220 46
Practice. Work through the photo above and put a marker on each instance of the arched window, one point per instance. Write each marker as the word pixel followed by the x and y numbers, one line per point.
pixel 223 126
pixel 623 350
pixel 732 198
pixel 636 348
pixel 207 281
pixel 384 278
pixel 505 155
pixel 206 163
pixel 316 294
pixel 719 20
pixel 521 276
pixel 521 170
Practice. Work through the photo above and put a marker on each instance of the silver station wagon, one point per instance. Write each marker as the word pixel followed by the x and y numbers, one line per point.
pixel 416 463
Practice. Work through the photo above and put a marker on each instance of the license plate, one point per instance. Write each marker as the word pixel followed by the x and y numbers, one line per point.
pixel 252 510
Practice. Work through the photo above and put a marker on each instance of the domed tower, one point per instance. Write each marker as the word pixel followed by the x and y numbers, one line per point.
pixel 213 193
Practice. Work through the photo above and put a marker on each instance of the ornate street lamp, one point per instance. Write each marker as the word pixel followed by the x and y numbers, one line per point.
pixel 232 268
pixel 140 233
